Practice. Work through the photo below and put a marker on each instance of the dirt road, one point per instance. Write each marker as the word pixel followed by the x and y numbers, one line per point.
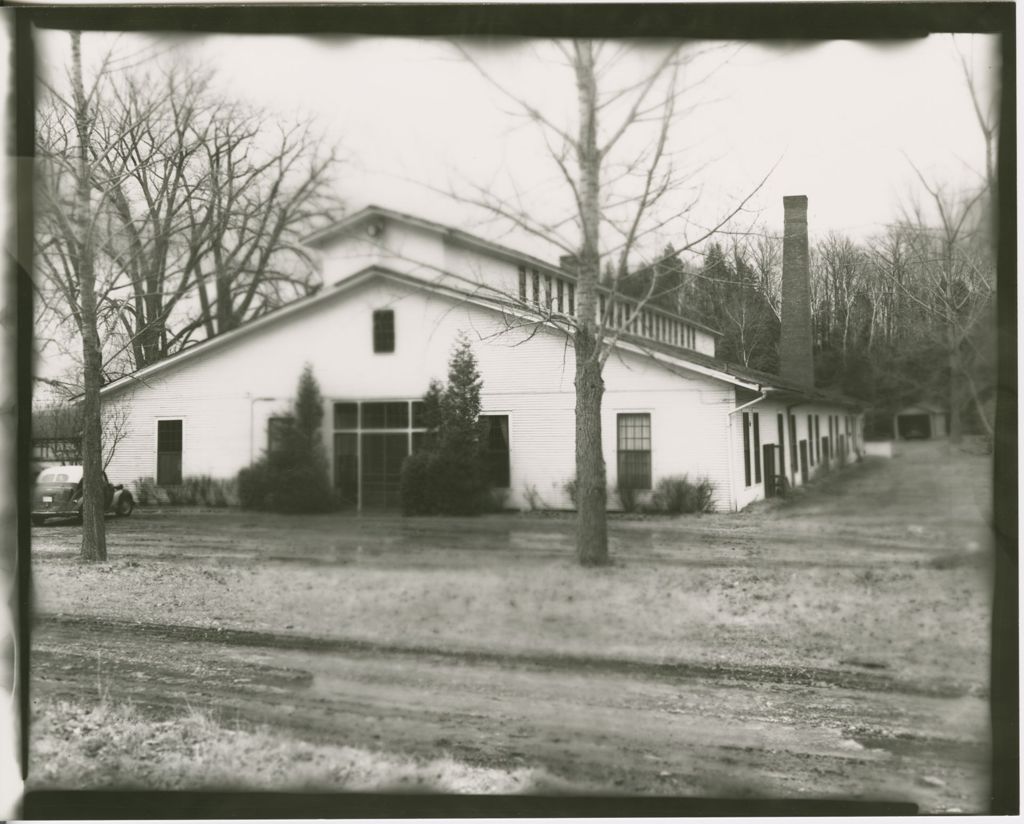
pixel 832 647
pixel 728 734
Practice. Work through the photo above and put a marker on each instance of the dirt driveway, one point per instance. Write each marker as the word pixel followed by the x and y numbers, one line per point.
pixel 801 651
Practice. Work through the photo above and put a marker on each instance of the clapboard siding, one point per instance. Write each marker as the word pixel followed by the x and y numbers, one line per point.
pixel 225 395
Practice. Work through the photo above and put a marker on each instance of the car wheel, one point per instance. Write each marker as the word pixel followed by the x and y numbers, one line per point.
pixel 125 505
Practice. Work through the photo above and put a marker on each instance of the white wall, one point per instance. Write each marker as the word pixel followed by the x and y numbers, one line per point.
pixel 767 412
pixel 427 255
pixel 225 394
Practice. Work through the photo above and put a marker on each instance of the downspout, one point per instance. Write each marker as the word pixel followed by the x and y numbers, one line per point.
pixel 732 445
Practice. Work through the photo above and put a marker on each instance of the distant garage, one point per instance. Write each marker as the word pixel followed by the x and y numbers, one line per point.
pixel 923 420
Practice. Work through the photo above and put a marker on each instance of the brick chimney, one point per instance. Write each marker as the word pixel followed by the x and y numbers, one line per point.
pixel 796 362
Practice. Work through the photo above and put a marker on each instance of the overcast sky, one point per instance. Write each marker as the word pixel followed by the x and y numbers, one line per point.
pixel 837 120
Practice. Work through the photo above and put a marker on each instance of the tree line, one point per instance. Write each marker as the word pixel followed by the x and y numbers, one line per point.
pixel 902 316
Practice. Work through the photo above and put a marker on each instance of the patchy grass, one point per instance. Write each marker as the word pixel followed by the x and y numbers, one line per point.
pixel 884 563
pixel 106 746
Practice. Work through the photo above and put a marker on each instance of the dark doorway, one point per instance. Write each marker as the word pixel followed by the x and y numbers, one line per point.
pixel 382 459
pixel 914 426
pixel 825 450
pixel 803 462
pixel 346 468
pixel 768 460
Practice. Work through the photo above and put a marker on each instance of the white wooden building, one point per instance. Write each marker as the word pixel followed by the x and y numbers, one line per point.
pixel 398 290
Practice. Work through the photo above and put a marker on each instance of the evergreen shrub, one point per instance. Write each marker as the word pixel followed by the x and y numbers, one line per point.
pixel 293 478
pixel 446 476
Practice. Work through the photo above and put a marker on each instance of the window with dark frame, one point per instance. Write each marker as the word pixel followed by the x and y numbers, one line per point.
pixel 782 443
pixel 383 331
pixel 572 298
pixel 385 415
pixel 168 452
pixel 496 461
pixel 522 284
pixel 346 415
pixel 817 437
pixel 792 443
pixel 536 288
pixel 634 450
pixel 560 287
pixel 547 291
pixel 746 449
pixel 419 415
pixel 811 439
pixel 757 448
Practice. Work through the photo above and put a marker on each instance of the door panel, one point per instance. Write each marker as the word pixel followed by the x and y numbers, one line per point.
pixel 382 457
pixel 346 467
pixel 768 461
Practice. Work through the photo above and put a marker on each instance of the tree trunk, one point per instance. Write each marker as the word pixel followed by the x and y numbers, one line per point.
pixel 94 539
pixel 591 483
pixel 592 494
pixel 956 394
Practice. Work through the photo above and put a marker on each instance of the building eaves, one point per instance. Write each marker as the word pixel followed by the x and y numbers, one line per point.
pixel 660 353
pixel 765 380
pixel 468 240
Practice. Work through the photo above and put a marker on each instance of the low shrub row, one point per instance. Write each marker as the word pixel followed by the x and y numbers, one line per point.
pixel 194 490
pixel 676 495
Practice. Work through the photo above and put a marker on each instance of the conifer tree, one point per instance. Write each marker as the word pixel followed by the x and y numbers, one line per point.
pixel 446 477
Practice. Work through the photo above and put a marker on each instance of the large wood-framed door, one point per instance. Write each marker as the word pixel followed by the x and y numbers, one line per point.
pixel 381 468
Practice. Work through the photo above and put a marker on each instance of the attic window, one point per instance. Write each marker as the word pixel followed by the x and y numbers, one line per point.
pixel 384 330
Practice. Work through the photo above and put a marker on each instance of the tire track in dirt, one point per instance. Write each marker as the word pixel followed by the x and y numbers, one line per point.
pixel 723 673
pixel 600 729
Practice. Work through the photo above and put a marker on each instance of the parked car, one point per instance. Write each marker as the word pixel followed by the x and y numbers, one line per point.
pixel 58 494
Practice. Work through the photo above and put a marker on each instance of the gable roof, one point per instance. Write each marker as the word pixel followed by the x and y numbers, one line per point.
pixel 663 354
pixel 322 237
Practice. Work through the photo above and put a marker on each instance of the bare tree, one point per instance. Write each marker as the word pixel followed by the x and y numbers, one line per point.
pixel 256 207
pixel 840 272
pixel 81 228
pixel 618 189
pixel 957 290
pixel 197 226
pixel 154 126
pixel 58 427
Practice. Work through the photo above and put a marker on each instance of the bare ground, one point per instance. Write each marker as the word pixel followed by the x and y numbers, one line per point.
pixel 836 646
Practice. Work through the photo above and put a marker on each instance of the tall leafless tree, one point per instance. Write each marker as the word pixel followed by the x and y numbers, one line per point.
pixel 81 228
pixel 618 204
pixel 198 225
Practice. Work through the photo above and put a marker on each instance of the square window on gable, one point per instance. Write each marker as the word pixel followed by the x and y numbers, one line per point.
pixel 384 330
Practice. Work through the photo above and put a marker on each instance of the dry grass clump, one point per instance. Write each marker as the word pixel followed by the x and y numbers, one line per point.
pixel 110 746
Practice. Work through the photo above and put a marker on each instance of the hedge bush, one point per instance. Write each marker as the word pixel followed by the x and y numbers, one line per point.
pixel 679 495
pixel 194 490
